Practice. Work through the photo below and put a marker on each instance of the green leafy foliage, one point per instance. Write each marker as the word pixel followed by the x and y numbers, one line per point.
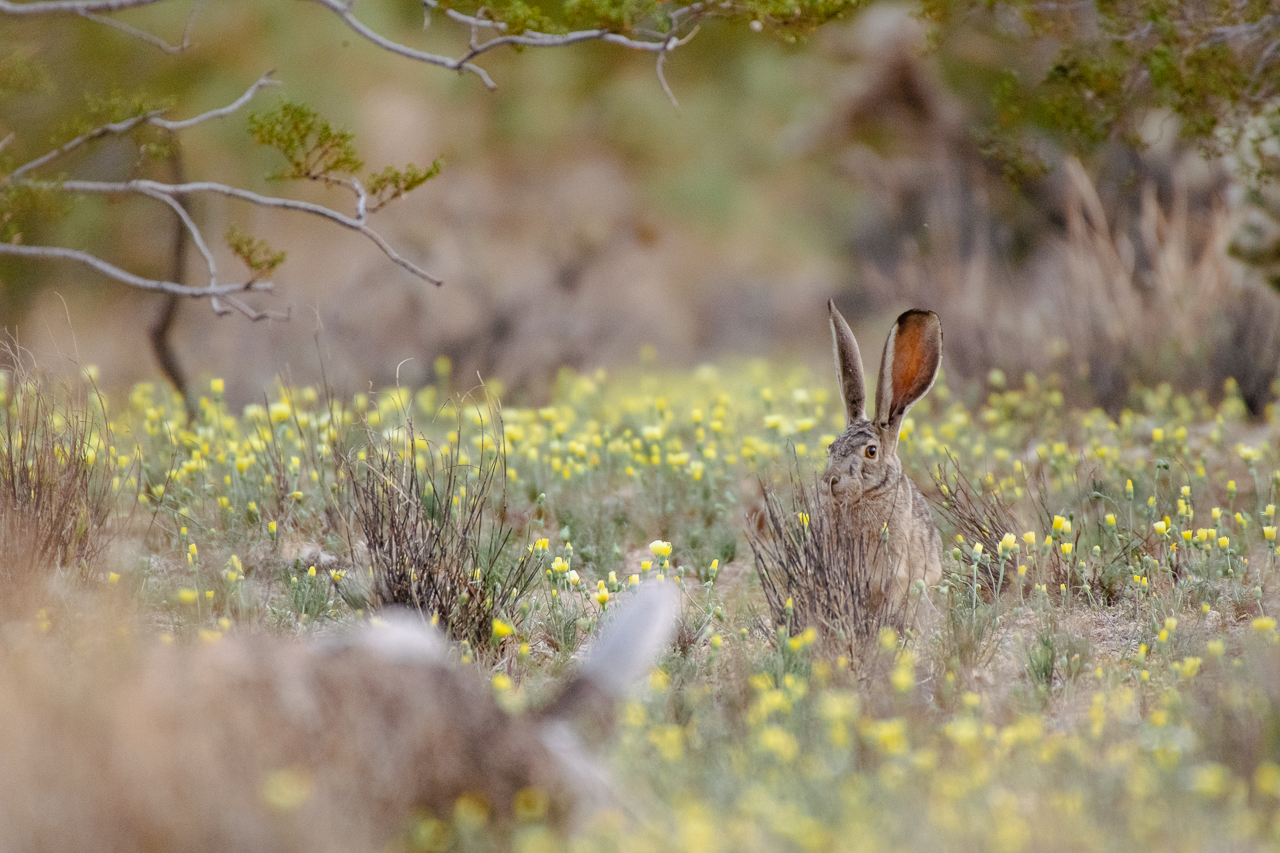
pixel 617 15
pixel 311 146
pixel 102 110
pixel 391 183
pixel 256 254
pixel 21 75
pixel 24 206
pixel 316 151
pixel 521 17
pixel 643 18
pixel 1086 75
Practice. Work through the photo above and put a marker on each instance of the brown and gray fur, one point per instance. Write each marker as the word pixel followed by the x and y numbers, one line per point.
pixel 869 492
pixel 177 749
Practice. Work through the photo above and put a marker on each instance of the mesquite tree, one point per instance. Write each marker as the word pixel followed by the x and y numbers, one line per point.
pixel 1080 74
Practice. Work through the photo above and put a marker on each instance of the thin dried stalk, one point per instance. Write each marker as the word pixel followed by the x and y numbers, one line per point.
pixel 981 516
pixel 435 541
pixel 55 505
pixel 822 575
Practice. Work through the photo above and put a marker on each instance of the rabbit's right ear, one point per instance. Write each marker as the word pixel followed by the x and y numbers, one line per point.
pixel 912 355
pixel 848 366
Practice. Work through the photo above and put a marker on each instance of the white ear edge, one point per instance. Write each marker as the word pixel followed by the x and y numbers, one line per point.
pixel 850 375
pixel 884 382
pixel 630 643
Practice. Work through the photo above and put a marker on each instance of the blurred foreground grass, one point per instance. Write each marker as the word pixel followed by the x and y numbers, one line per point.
pixel 1121 691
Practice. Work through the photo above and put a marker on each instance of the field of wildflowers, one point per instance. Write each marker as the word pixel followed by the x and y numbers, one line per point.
pixel 1099 669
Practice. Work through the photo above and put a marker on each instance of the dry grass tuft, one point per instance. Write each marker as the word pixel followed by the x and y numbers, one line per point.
pixel 1110 305
pixel 55 505
pixel 1114 274
pixel 435 540
pixel 982 516
pixel 821 575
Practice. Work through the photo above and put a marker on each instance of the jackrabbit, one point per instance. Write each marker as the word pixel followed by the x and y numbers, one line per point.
pixel 869 493
pixel 271 745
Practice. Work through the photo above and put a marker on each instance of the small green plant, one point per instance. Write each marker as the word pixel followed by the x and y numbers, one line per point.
pixel 1055 658
pixel 310 591
pixel 391 183
pixel 314 150
pixel 311 147
pixel 1042 659
pixel 970 625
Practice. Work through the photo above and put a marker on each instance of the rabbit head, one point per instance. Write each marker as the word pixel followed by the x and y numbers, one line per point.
pixel 864 480
pixel 864 459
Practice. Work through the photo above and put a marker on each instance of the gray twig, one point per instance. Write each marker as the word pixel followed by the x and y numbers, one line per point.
pixel 153 118
pixel 152 188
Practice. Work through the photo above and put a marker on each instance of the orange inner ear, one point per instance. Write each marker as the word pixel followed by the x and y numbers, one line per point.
pixel 912 355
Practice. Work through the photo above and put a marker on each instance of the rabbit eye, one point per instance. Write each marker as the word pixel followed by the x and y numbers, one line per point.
pixel 870 451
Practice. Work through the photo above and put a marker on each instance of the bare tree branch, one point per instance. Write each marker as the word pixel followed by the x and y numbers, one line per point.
pixel 1264 27
pixel 152 188
pixel 662 77
pixel 94 11
pixel 73 7
pixel 343 11
pixel 532 38
pixel 67 147
pixel 113 271
pixel 220 295
pixel 149 38
pixel 248 311
pixel 660 44
pixel 152 118
pixel 661 39
pixel 192 229
pixel 264 80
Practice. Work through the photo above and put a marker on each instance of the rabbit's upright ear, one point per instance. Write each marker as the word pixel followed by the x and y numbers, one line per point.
pixel 908 367
pixel 848 366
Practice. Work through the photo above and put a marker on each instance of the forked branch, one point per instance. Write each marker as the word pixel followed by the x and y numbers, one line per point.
pixel 156 189
pixel 684 18
pixel 153 118
pixel 221 295
pixel 676 27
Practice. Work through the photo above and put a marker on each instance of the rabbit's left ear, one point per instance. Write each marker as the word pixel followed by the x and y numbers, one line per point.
pixel 912 355
pixel 848 366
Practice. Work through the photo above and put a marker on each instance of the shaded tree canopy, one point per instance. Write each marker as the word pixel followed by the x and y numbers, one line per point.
pixel 1071 76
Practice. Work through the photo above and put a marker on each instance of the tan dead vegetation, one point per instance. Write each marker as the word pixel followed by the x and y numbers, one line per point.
pixel 1113 275
pixel 259 743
